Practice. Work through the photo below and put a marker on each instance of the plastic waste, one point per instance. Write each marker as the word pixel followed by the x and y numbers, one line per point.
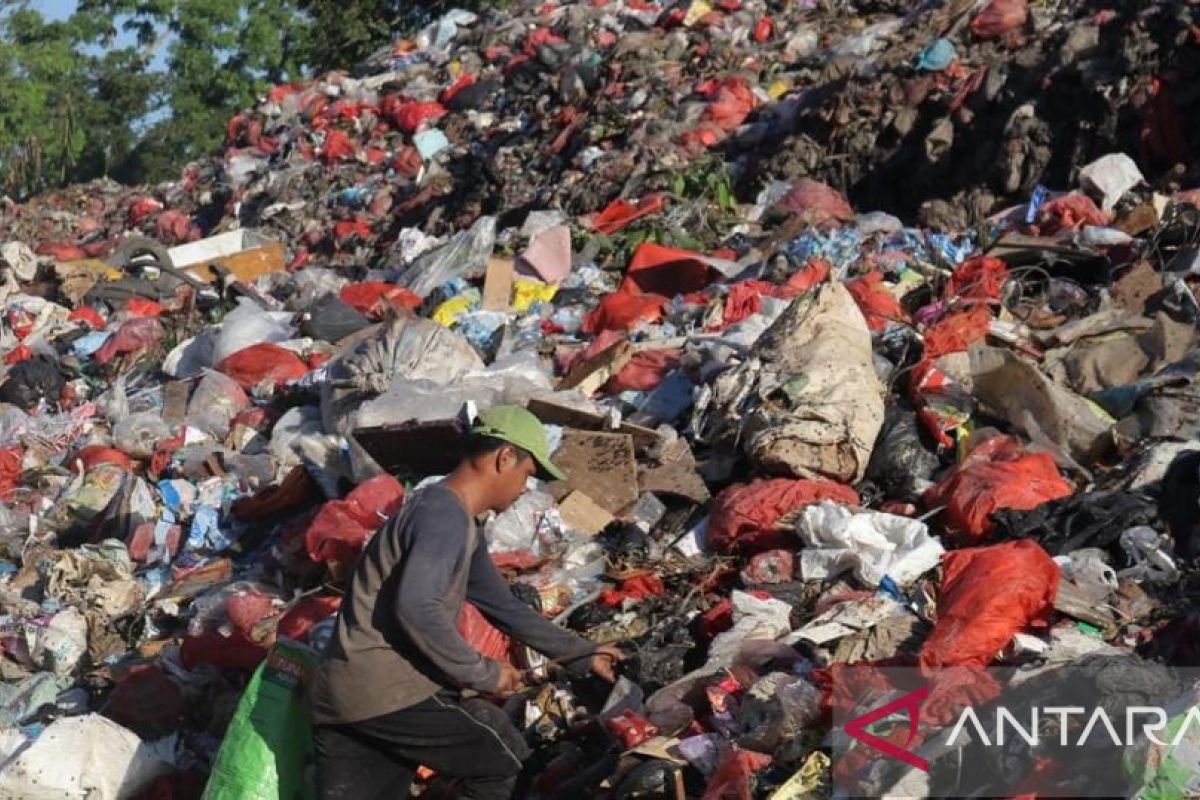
pixel 215 402
pixel 465 254
pixel 744 516
pixel 987 595
pixel 871 544
pixel 248 325
pixel 139 434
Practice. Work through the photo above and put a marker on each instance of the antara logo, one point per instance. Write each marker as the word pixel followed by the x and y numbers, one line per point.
pixel 857 728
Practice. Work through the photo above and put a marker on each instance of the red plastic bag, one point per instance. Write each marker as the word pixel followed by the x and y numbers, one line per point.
pixel 263 362
pixel 231 652
pixel 817 203
pixel 1071 212
pixel 88 315
pixel 141 307
pixel 337 147
pixel 409 116
pixel 743 516
pixel 667 271
pixel 175 227
pixel 246 609
pixel 11 458
pixel 644 372
pixel 996 474
pixel 141 208
pixel 141 541
pixel 732 780
pixel 988 594
pixel 373 297
pixel 61 251
pixel 956 332
pixel 483 636
pixel 342 527
pixel 639 587
pixel 94 455
pixel 17 355
pixel 133 336
pixel 630 729
pixel 619 213
pixel 622 310
pixel 979 278
pixel 745 297
pixel 146 696
pixel 762 30
pixel 299 620
pixel 732 101
pixel 999 17
pixel 878 305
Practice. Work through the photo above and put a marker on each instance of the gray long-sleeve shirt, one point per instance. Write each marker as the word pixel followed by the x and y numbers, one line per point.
pixel 397 641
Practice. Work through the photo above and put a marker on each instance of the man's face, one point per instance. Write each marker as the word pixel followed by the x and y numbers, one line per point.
pixel 512 471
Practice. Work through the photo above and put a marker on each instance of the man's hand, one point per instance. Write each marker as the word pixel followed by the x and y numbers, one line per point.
pixel 510 679
pixel 604 660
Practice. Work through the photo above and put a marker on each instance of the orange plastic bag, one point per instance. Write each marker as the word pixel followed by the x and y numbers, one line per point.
pixel 957 332
pixel 996 474
pixel 989 594
pixel 619 213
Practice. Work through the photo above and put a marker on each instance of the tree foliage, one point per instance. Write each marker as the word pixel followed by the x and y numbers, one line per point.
pixel 135 89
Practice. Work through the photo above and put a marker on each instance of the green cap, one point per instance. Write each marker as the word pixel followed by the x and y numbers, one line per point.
pixel 518 427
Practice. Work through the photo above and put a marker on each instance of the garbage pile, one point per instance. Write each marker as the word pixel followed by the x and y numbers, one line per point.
pixel 800 432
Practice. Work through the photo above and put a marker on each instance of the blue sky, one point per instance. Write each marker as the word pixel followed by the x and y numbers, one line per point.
pixel 54 9
pixel 61 9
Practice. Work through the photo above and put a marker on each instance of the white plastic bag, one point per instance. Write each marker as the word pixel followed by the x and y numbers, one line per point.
pixel 870 543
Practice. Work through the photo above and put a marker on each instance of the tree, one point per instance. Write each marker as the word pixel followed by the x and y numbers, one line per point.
pixel 64 111
pixel 222 55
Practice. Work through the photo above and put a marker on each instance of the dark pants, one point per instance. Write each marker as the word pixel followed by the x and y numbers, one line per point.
pixel 471 740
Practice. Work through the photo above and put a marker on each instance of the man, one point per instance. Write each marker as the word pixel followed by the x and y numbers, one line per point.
pixel 388 694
